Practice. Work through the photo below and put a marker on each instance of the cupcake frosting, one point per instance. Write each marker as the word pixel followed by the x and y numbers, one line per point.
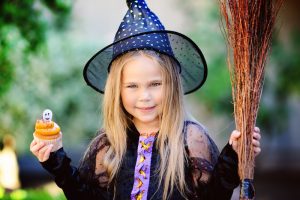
pixel 46 130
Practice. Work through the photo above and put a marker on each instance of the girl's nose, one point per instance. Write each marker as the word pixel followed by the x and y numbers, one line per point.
pixel 145 95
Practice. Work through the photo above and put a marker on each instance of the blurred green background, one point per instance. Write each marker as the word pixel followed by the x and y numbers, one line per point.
pixel 44 45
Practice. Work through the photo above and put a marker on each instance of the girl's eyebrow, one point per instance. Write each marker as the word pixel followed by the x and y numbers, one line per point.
pixel 154 80
pixel 130 83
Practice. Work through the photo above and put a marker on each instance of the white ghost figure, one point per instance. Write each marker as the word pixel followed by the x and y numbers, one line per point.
pixel 47 115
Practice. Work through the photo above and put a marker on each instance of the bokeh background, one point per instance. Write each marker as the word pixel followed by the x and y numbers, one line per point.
pixel 44 45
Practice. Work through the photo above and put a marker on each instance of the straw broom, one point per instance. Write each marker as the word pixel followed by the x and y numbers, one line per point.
pixel 248 27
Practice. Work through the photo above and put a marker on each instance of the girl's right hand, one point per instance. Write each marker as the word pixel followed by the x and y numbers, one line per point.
pixel 41 150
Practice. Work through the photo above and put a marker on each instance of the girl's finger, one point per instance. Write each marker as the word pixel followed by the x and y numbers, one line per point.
pixel 256 136
pixel 257 150
pixel 32 143
pixel 42 152
pixel 256 129
pixel 234 136
pixel 37 147
pixel 255 143
pixel 47 153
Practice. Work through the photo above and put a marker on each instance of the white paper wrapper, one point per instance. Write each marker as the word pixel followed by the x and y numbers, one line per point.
pixel 57 143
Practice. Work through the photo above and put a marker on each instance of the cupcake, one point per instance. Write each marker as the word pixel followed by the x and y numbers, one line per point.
pixel 48 131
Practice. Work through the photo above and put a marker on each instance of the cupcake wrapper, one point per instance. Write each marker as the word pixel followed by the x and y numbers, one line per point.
pixel 57 143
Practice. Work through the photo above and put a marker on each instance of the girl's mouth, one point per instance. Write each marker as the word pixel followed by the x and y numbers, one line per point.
pixel 146 108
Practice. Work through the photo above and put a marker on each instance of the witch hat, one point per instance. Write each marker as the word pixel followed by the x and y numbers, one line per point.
pixel 141 29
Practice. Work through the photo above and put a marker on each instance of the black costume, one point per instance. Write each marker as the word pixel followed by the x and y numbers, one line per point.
pixel 208 178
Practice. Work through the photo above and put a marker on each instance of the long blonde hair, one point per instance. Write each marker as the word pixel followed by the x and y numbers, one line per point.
pixel 170 140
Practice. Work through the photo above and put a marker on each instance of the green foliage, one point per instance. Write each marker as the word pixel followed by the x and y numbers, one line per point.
pixel 26 22
pixel 41 67
pixel 52 81
pixel 287 58
pixel 282 81
pixel 6 72
pixel 30 194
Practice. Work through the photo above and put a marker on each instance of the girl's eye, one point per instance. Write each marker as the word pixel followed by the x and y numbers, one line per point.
pixel 131 86
pixel 156 84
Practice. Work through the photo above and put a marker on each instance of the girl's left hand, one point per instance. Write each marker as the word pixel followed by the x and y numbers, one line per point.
pixel 235 136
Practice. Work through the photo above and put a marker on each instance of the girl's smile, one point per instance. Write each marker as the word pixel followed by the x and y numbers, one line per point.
pixel 146 108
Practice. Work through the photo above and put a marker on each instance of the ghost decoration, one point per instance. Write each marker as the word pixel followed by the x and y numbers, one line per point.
pixel 47 115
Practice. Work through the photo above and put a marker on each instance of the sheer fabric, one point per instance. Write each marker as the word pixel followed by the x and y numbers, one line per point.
pixel 207 175
pixel 91 167
pixel 202 152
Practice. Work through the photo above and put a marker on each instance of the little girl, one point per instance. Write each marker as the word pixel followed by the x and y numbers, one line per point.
pixel 149 147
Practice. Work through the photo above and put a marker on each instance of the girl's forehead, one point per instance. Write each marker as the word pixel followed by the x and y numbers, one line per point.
pixel 141 67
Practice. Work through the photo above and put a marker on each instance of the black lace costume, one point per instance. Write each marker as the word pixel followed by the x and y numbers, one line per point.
pixel 209 176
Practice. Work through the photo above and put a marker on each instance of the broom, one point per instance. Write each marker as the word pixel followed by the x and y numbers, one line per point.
pixel 248 27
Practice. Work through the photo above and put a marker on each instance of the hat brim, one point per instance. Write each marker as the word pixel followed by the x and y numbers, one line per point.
pixel 185 52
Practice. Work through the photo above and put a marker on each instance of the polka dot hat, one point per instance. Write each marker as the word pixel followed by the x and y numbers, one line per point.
pixel 142 30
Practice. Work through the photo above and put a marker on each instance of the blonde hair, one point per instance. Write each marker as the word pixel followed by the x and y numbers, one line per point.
pixel 170 140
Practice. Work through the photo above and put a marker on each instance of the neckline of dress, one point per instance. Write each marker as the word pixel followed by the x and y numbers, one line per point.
pixel 134 134
pixel 153 134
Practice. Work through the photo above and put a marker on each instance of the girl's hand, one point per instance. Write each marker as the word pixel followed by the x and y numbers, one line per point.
pixel 40 150
pixel 235 136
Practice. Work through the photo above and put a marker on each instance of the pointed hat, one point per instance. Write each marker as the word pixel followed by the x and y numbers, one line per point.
pixel 141 29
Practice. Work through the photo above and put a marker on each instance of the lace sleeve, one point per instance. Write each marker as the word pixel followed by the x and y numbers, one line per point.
pixel 82 182
pixel 213 175
pixel 91 166
pixel 203 153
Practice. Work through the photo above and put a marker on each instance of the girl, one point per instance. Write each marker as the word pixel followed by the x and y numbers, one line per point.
pixel 149 147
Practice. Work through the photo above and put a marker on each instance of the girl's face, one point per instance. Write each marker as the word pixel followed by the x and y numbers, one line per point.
pixel 141 90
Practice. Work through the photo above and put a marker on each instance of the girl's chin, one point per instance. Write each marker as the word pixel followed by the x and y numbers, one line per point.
pixel 146 119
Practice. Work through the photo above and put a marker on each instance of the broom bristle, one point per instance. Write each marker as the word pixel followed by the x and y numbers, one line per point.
pixel 248 26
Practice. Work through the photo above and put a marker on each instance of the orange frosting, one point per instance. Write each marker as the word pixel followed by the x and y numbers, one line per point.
pixel 46 130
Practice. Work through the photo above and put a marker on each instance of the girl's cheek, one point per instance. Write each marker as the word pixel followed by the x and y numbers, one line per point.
pixel 160 96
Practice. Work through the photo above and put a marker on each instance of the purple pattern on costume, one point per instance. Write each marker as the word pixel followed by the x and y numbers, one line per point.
pixel 142 168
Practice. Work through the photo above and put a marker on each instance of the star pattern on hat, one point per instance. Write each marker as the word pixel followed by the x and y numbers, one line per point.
pixel 138 20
